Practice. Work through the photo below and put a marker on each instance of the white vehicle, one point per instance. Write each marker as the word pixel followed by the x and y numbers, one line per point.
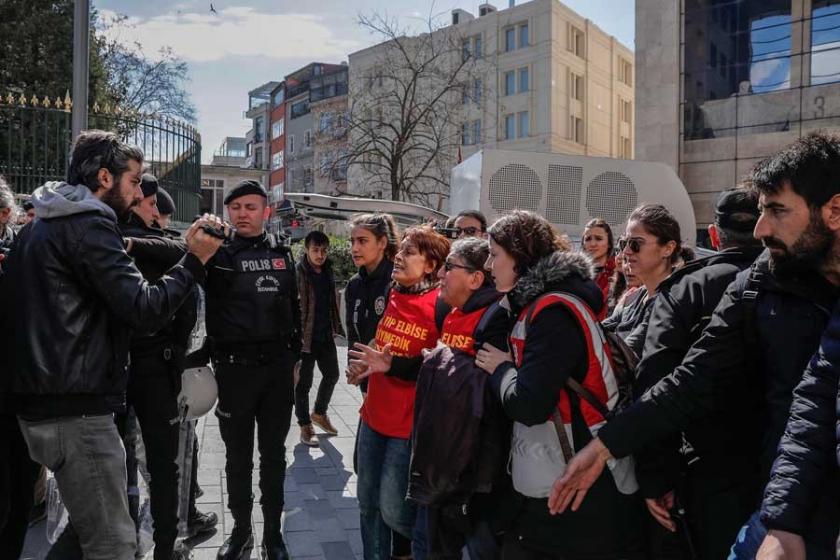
pixel 568 190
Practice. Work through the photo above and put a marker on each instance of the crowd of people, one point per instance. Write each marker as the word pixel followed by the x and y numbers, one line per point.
pixel 523 397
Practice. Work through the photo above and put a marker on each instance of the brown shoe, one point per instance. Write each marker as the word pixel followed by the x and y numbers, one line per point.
pixel 323 422
pixel 307 436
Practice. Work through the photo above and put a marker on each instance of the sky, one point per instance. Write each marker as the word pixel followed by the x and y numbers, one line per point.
pixel 247 43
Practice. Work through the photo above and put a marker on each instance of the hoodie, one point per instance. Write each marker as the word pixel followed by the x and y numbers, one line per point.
pixel 57 199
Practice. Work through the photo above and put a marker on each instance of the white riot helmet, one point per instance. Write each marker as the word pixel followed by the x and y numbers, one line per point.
pixel 198 392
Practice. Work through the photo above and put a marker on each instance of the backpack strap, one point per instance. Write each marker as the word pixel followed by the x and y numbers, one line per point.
pixel 749 302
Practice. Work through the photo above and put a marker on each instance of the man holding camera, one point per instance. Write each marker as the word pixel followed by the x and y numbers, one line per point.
pixel 253 320
pixel 76 297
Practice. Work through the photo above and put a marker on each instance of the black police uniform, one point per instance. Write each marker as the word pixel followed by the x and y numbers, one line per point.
pixel 253 320
pixel 153 385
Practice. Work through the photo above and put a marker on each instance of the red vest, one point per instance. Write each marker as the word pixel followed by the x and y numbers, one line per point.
pixel 599 380
pixel 458 329
pixel 408 325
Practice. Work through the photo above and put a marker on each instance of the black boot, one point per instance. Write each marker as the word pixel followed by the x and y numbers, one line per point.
pixel 238 546
pixel 273 547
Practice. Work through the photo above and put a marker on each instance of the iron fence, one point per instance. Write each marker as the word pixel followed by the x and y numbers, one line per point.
pixel 35 139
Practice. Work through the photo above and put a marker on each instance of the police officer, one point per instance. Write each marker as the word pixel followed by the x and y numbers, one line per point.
pixel 253 320
pixel 155 379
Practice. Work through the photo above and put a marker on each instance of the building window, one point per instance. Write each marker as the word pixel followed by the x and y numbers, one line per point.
pixel 476 132
pixel 300 108
pixel 510 82
pixel 277 129
pixel 277 161
pixel 477 47
pixel 465 134
pixel 825 38
pixel 523 36
pixel 625 111
pixel 576 86
pixel 510 127
pixel 259 129
pixel 307 138
pixel 576 129
pixel 212 197
pixel 625 72
pixel 577 41
pixel 477 86
pixel 465 50
pixel 510 39
pixel 325 122
pixel 523 80
pixel 524 124
pixel 291 143
pixel 279 97
pixel 625 148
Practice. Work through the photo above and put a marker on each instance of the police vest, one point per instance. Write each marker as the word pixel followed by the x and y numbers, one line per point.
pixel 250 291
pixel 408 325
pixel 459 328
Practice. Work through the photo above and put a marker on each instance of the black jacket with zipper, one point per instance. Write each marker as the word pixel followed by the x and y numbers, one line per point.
pixel 744 366
pixel 78 296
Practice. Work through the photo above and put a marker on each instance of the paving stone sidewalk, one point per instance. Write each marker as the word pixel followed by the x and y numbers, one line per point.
pixel 321 515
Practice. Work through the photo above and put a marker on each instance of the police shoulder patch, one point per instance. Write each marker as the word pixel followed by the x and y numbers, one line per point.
pixel 379 305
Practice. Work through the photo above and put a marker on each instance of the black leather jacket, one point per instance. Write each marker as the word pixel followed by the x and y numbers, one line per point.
pixel 77 296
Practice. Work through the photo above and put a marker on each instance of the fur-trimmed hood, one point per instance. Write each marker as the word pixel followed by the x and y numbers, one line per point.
pixel 560 271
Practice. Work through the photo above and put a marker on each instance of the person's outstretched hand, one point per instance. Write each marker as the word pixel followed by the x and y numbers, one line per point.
pixel 781 545
pixel 581 473
pixel 365 360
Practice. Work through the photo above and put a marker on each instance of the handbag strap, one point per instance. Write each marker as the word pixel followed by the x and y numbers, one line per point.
pixel 562 436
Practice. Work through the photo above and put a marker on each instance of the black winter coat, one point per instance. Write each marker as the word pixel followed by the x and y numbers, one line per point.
pixel 681 310
pixel 807 465
pixel 608 524
pixel 365 299
pixel 744 368
pixel 77 298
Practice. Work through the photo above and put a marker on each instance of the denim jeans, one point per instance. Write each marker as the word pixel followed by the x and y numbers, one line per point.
pixel 383 483
pixel 749 539
pixel 88 459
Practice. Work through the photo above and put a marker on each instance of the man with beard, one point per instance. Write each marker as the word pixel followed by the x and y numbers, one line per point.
pixel 757 344
pixel 76 297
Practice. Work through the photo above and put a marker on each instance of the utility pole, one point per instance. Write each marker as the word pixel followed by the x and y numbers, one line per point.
pixel 81 59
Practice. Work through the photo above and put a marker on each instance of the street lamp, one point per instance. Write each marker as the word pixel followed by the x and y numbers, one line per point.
pixel 81 73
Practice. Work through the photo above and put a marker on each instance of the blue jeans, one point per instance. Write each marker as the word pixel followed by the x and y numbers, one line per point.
pixel 383 482
pixel 749 539
pixel 88 459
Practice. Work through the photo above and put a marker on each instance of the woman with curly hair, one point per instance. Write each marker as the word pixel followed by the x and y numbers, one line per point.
pixel 554 296
pixel 408 326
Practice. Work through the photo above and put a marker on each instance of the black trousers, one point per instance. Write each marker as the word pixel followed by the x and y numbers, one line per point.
pixel 322 352
pixel 18 474
pixel 153 389
pixel 261 395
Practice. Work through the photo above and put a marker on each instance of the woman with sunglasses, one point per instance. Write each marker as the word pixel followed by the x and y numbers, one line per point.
pixel 649 249
pixel 552 293
pixel 408 326
pixel 461 438
pixel 597 242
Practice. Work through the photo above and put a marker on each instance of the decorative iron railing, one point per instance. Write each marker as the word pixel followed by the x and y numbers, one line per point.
pixel 35 139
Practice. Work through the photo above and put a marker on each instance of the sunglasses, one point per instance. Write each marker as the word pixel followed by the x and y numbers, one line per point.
pixel 633 245
pixel 448 266
pixel 472 230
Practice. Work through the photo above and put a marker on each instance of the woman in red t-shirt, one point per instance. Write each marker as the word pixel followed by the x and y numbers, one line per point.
pixel 407 327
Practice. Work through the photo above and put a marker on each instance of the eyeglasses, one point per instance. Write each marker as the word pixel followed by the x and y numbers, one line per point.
pixel 633 244
pixel 448 266
pixel 471 230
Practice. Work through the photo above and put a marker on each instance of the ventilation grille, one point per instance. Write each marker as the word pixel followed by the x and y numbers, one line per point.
pixel 564 185
pixel 515 186
pixel 611 196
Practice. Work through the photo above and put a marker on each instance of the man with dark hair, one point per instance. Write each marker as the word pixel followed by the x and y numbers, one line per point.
pixel 157 361
pixel 76 297
pixel 470 223
pixel 757 344
pixel 321 323
pixel 668 471
pixel 253 320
